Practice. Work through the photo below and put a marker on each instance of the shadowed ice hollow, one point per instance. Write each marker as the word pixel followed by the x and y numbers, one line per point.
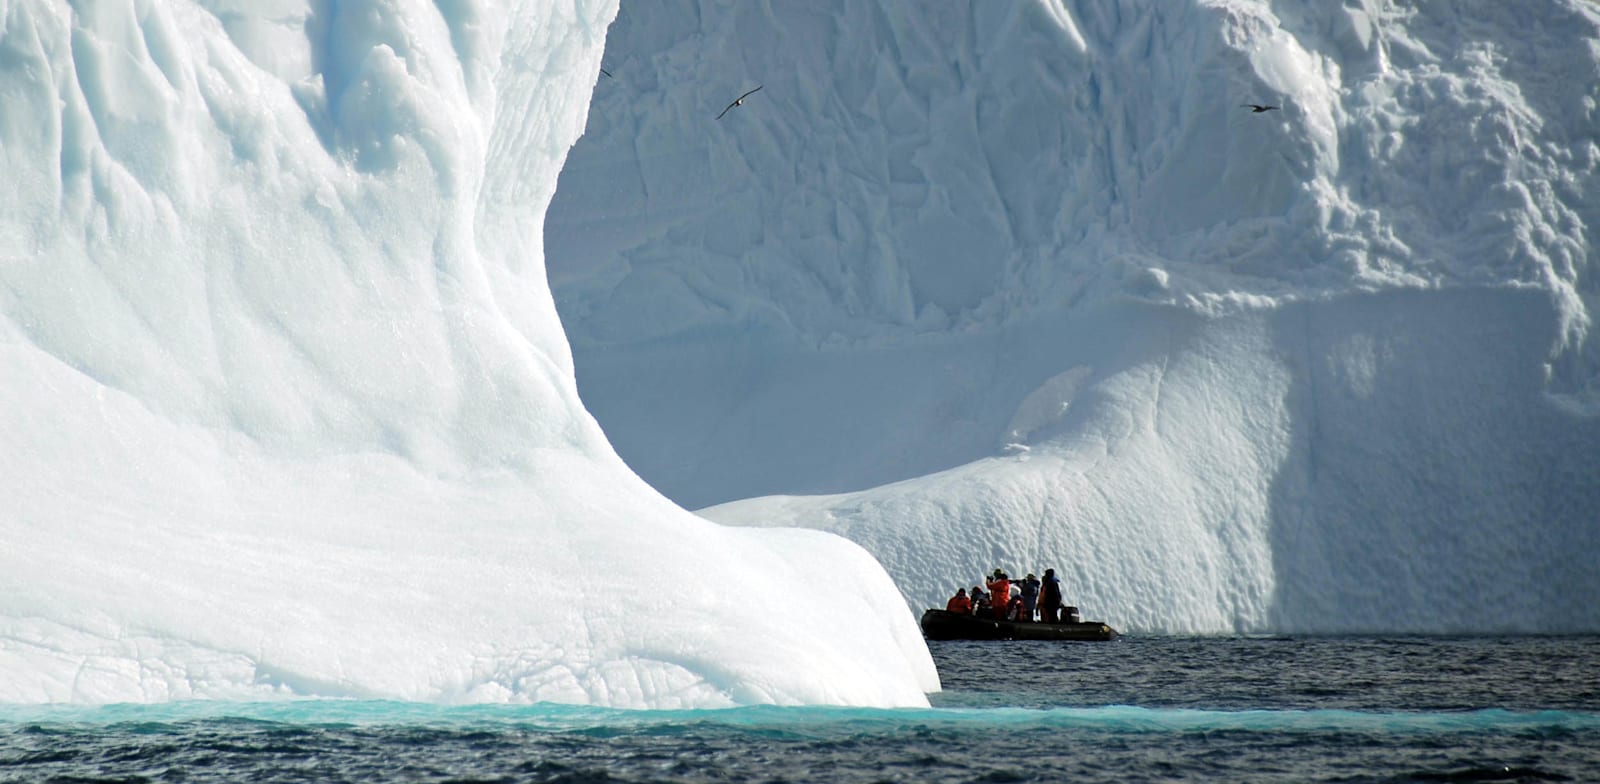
pixel 1024 285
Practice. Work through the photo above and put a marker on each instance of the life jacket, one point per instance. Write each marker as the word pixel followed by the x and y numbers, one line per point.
pixel 1001 589
pixel 959 604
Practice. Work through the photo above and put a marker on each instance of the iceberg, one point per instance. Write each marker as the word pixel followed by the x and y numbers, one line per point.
pixel 286 407
pixel 1026 285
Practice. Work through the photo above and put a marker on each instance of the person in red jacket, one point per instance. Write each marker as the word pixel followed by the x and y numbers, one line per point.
pixel 959 603
pixel 1000 589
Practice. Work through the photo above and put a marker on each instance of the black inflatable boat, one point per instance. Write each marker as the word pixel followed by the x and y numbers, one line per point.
pixel 943 625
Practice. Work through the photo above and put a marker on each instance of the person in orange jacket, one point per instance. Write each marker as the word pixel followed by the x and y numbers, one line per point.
pixel 959 603
pixel 1000 588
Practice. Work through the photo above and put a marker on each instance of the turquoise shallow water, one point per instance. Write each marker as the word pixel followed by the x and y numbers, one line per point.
pixel 806 722
pixel 1140 709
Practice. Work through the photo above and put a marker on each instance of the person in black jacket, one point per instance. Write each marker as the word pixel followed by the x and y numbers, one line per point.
pixel 1050 597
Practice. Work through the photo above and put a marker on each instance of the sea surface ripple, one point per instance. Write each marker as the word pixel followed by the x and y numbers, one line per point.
pixel 1139 709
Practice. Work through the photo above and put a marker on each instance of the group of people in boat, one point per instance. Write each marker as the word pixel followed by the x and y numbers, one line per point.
pixel 1027 600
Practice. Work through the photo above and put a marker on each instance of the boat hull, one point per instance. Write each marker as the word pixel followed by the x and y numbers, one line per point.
pixel 943 625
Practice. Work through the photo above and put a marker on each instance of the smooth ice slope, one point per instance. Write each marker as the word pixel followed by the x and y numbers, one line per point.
pixel 1027 285
pixel 285 406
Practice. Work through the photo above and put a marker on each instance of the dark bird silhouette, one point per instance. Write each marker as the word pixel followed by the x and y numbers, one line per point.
pixel 738 101
pixel 607 73
pixel 1256 108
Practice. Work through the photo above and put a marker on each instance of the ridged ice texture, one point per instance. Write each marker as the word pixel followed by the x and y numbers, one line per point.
pixel 1326 368
pixel 286 409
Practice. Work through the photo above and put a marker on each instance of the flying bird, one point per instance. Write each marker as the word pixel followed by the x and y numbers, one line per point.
pixel 738 101
pixel 1256 108
pixel 607 73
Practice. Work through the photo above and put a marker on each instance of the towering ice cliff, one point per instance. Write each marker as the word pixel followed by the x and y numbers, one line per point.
pixel 285 406
pixel 1024 285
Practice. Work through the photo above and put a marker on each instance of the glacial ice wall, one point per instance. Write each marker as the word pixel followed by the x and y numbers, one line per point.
pixel 286 407
pixel 1025 285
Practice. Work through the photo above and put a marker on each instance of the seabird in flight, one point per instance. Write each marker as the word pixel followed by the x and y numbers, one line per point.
pixel 738 101
pixel 1256 108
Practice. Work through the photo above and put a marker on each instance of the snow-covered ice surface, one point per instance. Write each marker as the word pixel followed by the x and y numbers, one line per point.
pixel 1023 285
pixel 285 405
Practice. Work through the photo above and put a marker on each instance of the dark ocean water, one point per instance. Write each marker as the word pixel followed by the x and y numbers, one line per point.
pixel 1139 709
